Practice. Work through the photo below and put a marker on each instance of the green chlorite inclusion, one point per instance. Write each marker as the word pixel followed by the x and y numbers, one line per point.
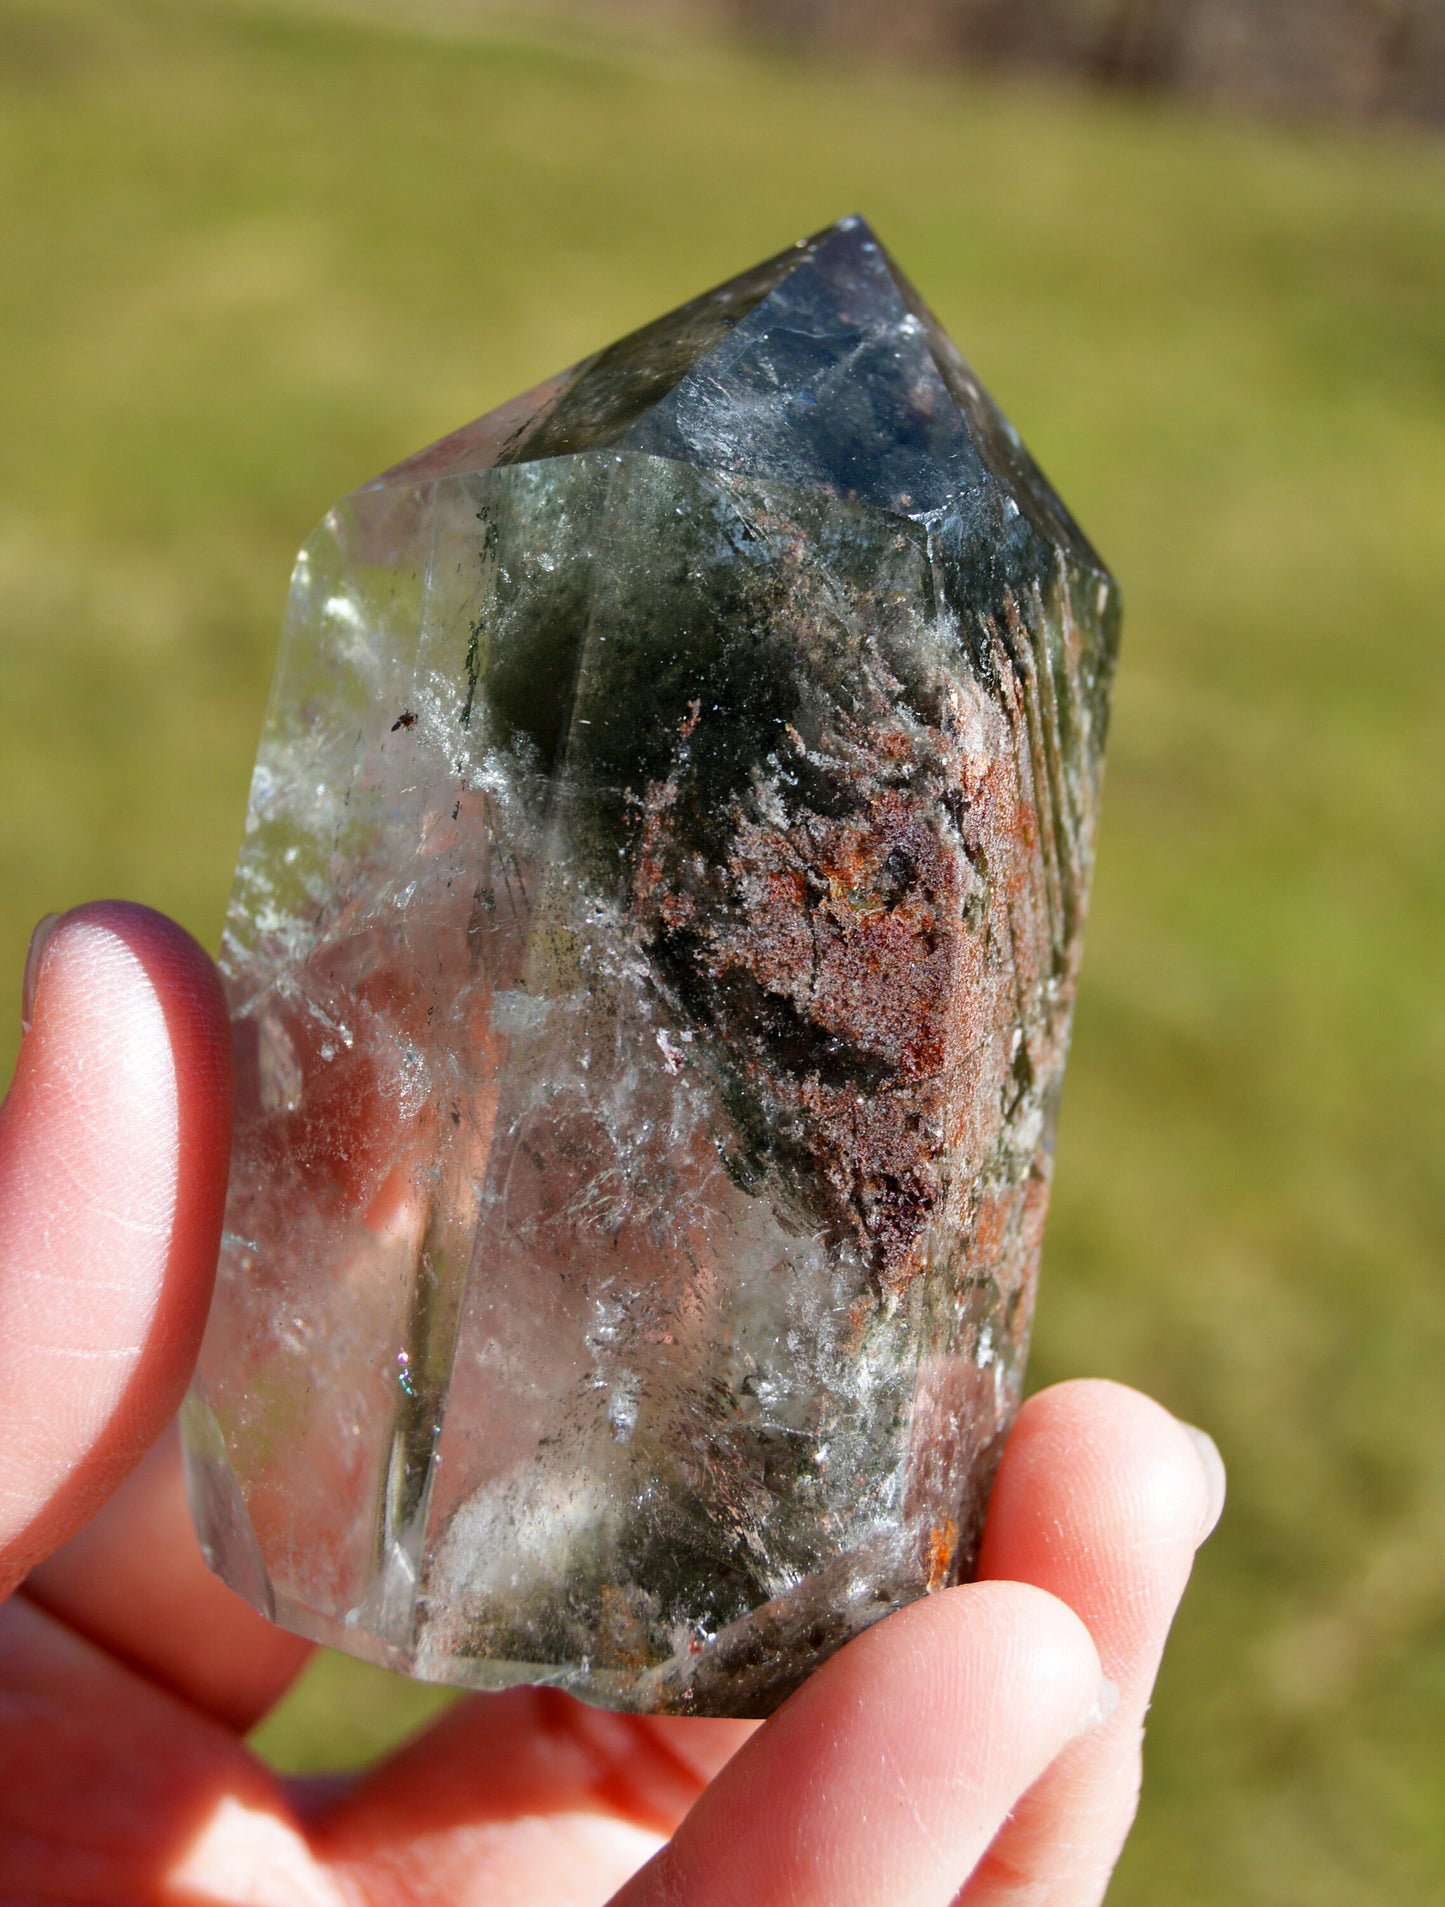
pixel 651 960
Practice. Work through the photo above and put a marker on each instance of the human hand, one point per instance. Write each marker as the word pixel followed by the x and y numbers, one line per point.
pixel 971 1742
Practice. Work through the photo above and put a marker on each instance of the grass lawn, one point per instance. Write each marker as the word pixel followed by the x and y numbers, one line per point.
pixel 252 253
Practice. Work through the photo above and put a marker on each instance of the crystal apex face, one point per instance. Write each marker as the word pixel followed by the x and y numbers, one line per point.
pixel 651 960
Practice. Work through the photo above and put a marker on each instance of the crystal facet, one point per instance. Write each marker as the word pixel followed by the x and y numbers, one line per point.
pixel 651 960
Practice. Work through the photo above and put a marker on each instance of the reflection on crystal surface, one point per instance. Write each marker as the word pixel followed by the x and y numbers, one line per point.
pixel 651 960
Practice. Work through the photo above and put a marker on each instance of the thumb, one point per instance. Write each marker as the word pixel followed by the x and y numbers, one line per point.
pixel 114 1143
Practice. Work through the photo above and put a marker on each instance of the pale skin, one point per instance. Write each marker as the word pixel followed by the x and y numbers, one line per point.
pixel 979 1748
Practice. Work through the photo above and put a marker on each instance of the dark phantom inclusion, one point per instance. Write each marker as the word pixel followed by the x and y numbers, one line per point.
pixel 651 960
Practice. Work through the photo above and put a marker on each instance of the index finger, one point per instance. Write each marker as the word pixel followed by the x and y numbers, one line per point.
pixel 1102 1498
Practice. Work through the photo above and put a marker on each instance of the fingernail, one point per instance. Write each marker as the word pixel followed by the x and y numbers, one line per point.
pixel 34 958
pixel 1212 1465
pixel 1106 1707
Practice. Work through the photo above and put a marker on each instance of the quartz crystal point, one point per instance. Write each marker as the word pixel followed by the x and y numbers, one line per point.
pixel 651 960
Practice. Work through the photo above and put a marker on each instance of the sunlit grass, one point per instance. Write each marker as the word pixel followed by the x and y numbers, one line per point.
pixel 253 255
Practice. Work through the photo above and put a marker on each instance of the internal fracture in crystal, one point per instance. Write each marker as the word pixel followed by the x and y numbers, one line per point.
pixel 651 960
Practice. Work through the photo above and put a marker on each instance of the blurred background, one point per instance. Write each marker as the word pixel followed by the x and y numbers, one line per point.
pixel 253 251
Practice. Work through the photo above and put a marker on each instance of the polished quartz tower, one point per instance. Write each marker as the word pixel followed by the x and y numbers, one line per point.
pixel 651 960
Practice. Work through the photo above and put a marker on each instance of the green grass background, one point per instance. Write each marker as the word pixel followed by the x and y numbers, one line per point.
pixel 250 254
